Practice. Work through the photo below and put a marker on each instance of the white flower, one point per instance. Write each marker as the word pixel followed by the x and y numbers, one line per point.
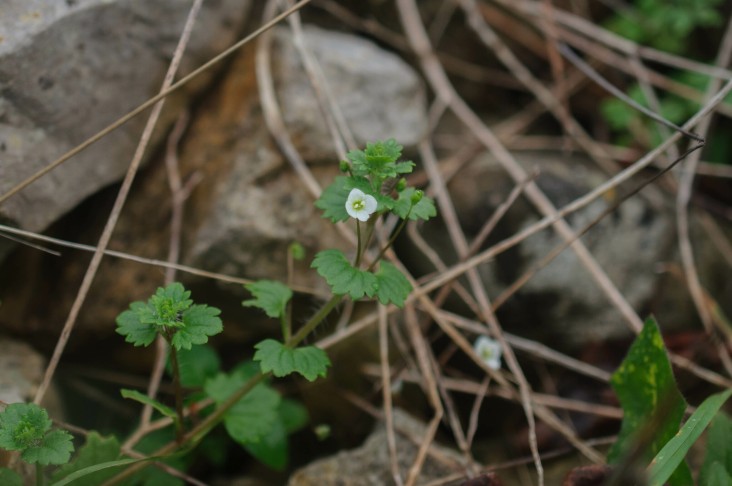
pixel 359 205
pixel 489 350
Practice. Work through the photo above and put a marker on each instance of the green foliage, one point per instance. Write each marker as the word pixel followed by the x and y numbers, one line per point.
pixel 10 478
pixel 146 400
pixel 197 364
pixel 25 427
pixel 393 286
pixel 96 450
pixel 171 313
pixel 270 296
pixel 649 397
pixel 308 361
pixel 672 455
pixel 405 206
pixel 273 449
pixel 665 25
pixel 254 416
pixel 717 467
pixel 375 171
pixel 342 277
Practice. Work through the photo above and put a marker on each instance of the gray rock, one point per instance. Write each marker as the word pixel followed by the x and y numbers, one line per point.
pixel 21 371
pixel 68 69
pixel 369 465
pixel 562 303
pixel 379 95
pixel 259 209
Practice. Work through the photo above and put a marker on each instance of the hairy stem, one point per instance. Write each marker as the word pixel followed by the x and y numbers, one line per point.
pixel 178 389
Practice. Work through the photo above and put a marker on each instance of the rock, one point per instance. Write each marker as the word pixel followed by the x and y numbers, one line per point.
pixel 369 465
pixel 21 371
pixel 379 95
pixel 562 304
pixel 68 69
pixel 259 209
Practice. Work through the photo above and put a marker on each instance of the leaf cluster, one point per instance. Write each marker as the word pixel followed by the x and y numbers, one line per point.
pixel 375 171
pixel 171 313
pixel 25 427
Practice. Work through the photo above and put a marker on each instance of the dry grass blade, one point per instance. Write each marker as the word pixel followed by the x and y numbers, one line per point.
pixel 117 208
pixel 152 101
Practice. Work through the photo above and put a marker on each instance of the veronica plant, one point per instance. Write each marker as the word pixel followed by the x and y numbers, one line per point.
pixel 26 428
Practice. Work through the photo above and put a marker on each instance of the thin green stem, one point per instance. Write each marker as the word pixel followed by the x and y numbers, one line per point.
pixel 218 415
pixel 391 240
pixel 179 431
pixel 314 321
pixel 40 479
pixel 359 249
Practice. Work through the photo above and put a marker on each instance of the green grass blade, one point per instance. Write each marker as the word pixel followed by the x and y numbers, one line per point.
pixel 671 455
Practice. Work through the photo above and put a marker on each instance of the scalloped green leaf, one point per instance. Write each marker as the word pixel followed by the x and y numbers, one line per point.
pixel 342 277
pixel 254 416
pixel 647 392
pixel 270 296
pixel 393 285
pixel 133 329
pixel 333 200
pixel 96 450
pixel 199 323
pixel 308 361
pixel 424 209
pixel 55 448
pixel 196 365
pixel 22 425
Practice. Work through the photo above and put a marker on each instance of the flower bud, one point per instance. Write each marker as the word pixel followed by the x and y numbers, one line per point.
pixel 345 166
pixel 417 196
pixel 401 185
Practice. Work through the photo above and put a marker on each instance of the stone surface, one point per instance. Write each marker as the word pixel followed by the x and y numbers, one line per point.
pixel 369 465
pixel 68 69
pixel 379 95
pixel 21 371
pixel 562 304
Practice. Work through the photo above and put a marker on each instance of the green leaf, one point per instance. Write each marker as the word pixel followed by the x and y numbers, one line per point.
pixel 146 400
pixel 716 475
pixel 270 296
pixel 167 305
pixel 254 415
pixel 133 329
pixel 424 209
pixel 379 160
pixel 673 453
pixel 22 426
pixel 274 356
pixel 10 478
pixel 96 450
pixel 272 449
pixel 393 285
pixel 199 323
pixel 342 277
pixel 95 468
pixel 333 200
pixel 293 414
pixel 55 448
pixel 196 365
pixel 648 396
pixel 718 449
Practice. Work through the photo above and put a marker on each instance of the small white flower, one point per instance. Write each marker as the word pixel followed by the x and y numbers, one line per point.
pixel 489 350
pixel 360 205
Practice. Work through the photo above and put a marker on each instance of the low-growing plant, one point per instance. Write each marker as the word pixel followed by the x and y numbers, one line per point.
pixel 254 413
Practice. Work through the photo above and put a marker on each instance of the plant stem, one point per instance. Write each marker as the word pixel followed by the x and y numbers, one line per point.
pixel 217 416
pixel 178 390
pixel 39 475
pixel 314 321
pixel 359 250
pixel 391 241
